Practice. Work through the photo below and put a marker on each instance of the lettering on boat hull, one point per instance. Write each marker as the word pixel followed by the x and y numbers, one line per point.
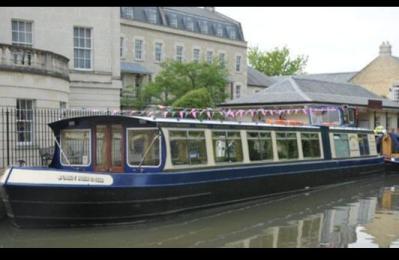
pixel 46 177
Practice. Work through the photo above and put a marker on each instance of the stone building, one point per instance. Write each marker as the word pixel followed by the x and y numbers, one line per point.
pixel 151 35
pixel 56 57
pixel 381 75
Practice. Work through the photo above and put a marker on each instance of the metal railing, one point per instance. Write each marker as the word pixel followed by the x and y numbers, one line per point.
pixel 25 137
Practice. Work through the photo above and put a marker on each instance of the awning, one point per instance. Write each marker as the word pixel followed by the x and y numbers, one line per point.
pixel 134 68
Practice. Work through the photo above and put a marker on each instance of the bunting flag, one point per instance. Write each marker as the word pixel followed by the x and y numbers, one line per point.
pixel 165 111
pixel 194 113
pixel 208 113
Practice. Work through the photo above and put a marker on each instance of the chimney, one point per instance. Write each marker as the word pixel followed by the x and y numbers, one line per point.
pixel 385 49
pixel 211 9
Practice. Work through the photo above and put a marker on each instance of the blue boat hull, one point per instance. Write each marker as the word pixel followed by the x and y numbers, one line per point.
pixel 134 198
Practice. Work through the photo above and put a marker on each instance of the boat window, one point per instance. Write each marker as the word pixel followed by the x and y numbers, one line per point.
pixel 260 146
pixel 143 147
pixel 188 147
pixel 287 146
pixel 363 144
pixel 227 146
pixel 75 145
pixel 310 145
pixel 341 142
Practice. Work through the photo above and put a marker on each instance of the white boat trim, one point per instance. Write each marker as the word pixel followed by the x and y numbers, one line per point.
pixel 4 176
pixel 48 177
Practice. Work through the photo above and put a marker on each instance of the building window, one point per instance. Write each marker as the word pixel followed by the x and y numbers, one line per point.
pixel 209 56
pixel 143 147
pixel 63 105
pixel 222 59
pixel 227 146
pixel 151 15
pixel 238 91
pixel 158 52
pixel 196 55
pixel 232 33
pixel 188 21
pixel 203 26
pixel 188 147
pixel 138 49
pixel 219 30
pixel 287 146
pixel 238 63
pixel 325 117
pixel 310 145
pixel 121 47
pixel 395 93
pixel 172 20
pixel 24 120
pixel 127 12
pixel 82 48
pixel 21 33
pixel 179 53
pixel 75 145
pixel 260 146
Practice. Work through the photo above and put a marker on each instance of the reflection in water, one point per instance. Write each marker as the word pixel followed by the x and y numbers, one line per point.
pixel 357 214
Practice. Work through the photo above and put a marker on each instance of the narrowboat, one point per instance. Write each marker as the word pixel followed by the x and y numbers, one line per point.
pixel 388 146
pixel 122 169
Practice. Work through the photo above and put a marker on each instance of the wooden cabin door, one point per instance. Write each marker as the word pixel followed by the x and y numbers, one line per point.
pixel 109 148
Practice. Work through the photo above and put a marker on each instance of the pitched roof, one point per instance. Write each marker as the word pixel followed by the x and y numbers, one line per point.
pixel 304 90
pixel 339 77
pixel 258 79
pixel 184 15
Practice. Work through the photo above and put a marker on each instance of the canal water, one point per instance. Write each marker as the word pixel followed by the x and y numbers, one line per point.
pixel 356 214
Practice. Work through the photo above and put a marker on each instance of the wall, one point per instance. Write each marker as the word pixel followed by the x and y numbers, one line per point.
pixel 171 37
pixel 47 91
pixel 379 76
pixel 53 31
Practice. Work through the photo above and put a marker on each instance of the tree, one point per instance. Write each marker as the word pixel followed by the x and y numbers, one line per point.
pixel 177 79
pixel 276 62
pixel 198 98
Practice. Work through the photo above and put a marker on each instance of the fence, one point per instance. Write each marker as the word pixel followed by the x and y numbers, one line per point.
pixel 25 137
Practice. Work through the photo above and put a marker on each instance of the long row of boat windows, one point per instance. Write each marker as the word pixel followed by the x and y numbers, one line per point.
pixel 199 147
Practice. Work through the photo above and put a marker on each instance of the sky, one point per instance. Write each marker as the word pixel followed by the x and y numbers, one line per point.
pixel 335 39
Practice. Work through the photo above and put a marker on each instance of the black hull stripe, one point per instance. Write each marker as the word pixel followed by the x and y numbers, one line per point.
pixel 169 211
pixel 115 201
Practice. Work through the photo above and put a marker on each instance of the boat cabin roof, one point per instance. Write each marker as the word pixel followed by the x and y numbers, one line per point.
pixel 144 121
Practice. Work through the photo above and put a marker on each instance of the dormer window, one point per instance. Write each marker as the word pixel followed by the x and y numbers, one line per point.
pixel 172 20
pixel 189 24
pixel 232 33
pixel 219 30
pixel 127 12
pixel 151 15
pixel 203 26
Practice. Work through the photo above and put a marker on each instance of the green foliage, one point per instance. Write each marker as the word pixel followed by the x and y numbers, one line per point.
pixel 198 98
pixel 132 100
pixel 276 62
pixel 177 79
